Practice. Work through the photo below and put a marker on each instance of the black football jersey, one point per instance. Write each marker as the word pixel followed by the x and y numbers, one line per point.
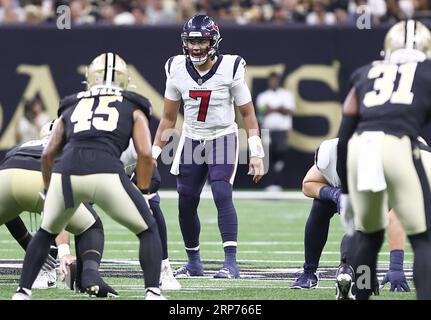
pixel 394 98
pixel 26 156
pixel 98 125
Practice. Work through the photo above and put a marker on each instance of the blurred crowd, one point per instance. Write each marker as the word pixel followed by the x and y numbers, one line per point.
pixel 162 12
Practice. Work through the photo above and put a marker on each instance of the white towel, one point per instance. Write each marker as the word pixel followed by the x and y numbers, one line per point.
pixel 175 168
pixel 370 169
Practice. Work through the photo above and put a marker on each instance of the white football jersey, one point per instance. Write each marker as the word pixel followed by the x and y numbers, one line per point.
pixel 209 97
pixel 326 161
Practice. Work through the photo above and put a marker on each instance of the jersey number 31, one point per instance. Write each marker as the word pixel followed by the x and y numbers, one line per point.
pixel 384 84
pixel 103 118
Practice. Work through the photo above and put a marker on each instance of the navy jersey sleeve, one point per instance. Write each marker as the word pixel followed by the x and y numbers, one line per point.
pixel 141 102
pixel 66 103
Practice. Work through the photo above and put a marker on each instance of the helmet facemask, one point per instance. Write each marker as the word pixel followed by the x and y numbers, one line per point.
pixel 201 27
pixel 212 50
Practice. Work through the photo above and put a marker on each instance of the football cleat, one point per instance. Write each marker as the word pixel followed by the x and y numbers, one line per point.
pixel 153 294
pixel 345 279
pixel 93 285
pixel 46 280
pixel 306 280
pixel 227 273
pixel 186 272
pixel 22 294
pixel 167 279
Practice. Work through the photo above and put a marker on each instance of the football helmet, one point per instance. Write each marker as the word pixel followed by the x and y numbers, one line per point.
pixel 406 41
pixel 47 129
pixel 201 27
pixel 108 69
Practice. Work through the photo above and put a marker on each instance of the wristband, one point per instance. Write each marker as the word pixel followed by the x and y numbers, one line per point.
pixel 63 249
pixel 255 146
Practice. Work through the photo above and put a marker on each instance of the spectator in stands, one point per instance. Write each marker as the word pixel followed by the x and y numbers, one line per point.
pixel 11 12
pixel 320 15
pixel 161 12
pixel 276 106
pixel 422 9
pixel 185 10
pixel 122 13
pixel 376 8
pixel 29 125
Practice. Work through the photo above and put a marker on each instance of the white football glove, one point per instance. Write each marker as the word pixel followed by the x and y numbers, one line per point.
pixel 346 214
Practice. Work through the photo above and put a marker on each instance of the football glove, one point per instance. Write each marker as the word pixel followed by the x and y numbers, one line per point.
pixel 397 279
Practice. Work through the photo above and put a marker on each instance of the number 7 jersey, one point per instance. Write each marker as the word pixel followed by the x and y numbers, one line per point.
pixel 394 98
pixel 208 97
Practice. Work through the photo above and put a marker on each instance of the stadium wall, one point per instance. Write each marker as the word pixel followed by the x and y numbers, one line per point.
pixel 315 64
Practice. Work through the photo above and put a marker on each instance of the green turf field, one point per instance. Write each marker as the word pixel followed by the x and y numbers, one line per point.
pixel 270 252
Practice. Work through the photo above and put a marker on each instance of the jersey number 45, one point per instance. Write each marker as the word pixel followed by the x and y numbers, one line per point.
pixel 103 118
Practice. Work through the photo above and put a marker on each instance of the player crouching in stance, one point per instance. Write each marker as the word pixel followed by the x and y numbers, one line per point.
pixel 93 130
pixel 323 185
pixel 22 165
pixel 380 162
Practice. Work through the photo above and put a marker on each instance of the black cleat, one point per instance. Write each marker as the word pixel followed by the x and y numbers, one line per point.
pixel 93 285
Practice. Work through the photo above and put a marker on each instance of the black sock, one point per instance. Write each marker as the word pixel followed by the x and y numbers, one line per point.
pixel 35 256
pixel 150 256
pixel 421 245
pixel 364 258
pixel 316 232
pixel 161 224
pixel 89 247
pixel 19 231
pixel 345 249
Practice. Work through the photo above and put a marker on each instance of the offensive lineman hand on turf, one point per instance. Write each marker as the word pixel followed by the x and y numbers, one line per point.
pixel 256 169
pixel 346 214
pixel 397 280
pixel 65 261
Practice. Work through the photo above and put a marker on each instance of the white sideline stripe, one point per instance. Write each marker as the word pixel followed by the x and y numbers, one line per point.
pixel 209 243
pixel 258 195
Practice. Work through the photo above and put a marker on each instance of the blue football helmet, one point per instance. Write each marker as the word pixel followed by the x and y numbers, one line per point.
pixel 201 27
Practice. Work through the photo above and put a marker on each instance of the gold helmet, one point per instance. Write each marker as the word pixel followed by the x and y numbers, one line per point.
pixel 408 35
pixel 108 69
pixel 47 129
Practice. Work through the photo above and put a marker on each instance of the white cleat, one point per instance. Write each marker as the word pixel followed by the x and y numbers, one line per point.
pixel 22 294
pixel 46 280
pixel 167 279
pixel 153 294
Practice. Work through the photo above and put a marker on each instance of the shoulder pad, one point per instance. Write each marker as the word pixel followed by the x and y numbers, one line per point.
pixel 140 101
pixel 67 102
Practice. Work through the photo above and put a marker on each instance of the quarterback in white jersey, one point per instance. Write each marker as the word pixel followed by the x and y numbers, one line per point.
pixel 211 86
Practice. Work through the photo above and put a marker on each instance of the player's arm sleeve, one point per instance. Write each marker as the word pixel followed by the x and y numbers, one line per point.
pixel 240 91
pixel 171 91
